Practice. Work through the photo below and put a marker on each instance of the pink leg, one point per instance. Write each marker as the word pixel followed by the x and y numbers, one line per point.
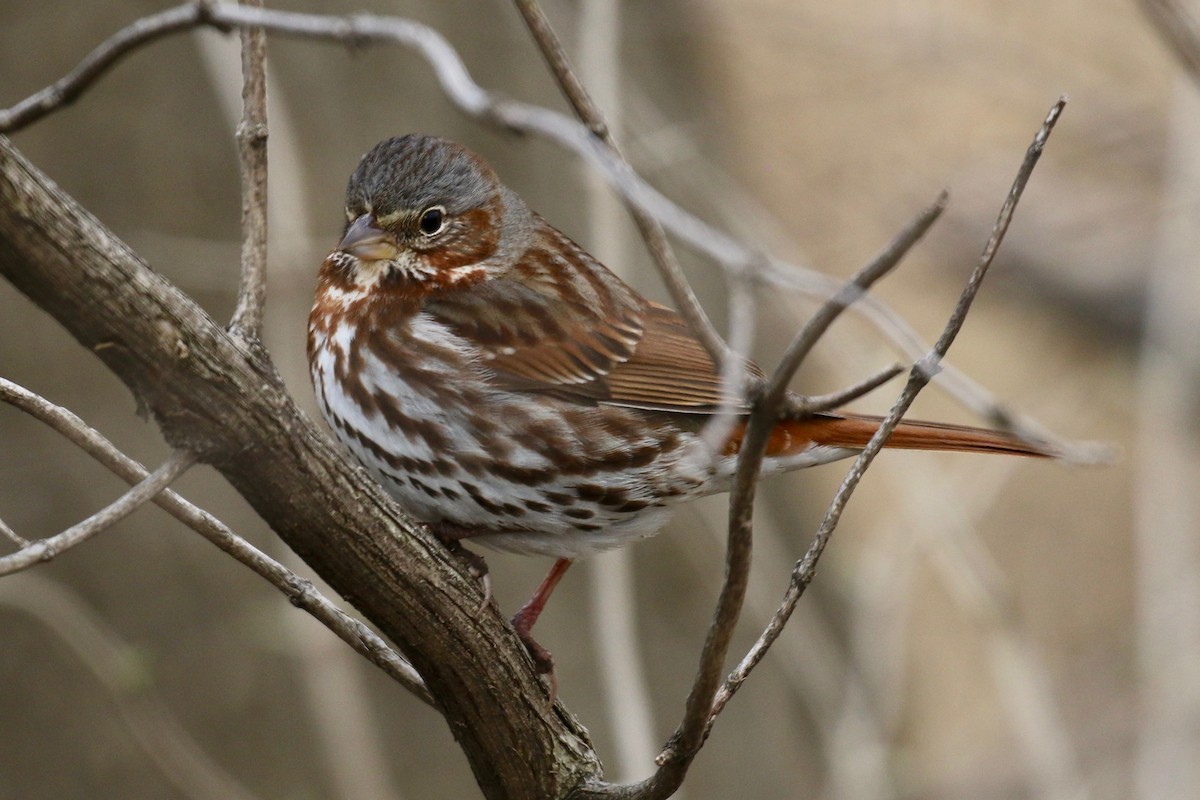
pixel 525 618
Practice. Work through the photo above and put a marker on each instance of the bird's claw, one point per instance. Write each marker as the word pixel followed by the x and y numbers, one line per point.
pixel 477 567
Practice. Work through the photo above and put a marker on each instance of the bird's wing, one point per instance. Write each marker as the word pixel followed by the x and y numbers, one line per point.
pixel 560 323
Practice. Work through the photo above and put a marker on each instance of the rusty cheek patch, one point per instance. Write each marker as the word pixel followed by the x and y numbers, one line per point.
pixel 473 238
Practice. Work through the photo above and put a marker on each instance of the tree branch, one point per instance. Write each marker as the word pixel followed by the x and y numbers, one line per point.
pixel 1178 25
pixel 252 149
pixel 12 536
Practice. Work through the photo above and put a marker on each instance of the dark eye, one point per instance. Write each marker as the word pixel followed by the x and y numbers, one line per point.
pixel 433 220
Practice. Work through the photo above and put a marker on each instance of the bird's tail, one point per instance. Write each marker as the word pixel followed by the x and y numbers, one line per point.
pixel 792 437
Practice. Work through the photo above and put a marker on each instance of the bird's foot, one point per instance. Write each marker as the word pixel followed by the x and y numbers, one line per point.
pixel 451 536
pixel 543 661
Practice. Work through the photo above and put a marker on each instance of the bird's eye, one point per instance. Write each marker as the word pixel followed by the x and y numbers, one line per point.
pixel 433 221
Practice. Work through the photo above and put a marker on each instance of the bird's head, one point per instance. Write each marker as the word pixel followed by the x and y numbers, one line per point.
pixel 424 213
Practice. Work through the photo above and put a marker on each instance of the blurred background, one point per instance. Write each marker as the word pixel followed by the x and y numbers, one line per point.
pixel 982 627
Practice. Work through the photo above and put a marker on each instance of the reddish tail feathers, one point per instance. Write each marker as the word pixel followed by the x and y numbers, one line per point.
pixel 855 430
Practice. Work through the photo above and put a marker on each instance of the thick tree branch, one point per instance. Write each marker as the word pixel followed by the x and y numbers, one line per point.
pixel 212 397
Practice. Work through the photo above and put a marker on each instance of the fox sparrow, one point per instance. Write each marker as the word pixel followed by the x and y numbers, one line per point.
pixel 503 385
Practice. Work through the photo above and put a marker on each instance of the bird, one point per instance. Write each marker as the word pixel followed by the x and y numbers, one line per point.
pixel 507 388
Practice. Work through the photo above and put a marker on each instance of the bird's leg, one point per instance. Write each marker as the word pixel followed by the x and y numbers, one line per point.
pixel 524 620
pixel 451 536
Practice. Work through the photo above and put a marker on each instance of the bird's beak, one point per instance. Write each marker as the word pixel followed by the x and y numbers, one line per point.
pixel 367 242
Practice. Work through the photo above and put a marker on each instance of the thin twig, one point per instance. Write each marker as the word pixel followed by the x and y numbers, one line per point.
pixel 651 230
pixel 456 82
pixel 689 737
pixel 13 536
pixel 300 591
pixel 613 603
pixel 41 550
pixel 676 758
pixel 252 150
pixel 839 398
pixel 922 372
pixel 775 395
pixel 68 88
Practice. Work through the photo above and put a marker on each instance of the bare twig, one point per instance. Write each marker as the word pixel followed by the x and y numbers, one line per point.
pixel 839 398
pixel 922 372
pixel 649 227
pixel 12 536
pixel 68 88
pixel 775 395
pixel 252 149
pixel 298 590
pixel 176 464
pixel 455 81
pixel 621 661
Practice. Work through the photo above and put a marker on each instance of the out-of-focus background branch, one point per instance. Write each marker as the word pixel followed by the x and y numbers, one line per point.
pixel 980 627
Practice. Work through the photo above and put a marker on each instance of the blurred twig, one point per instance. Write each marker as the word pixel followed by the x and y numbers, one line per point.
pixel 621 660
pixel 763 420
pixel 685 743
pixel 147 718
pixel 1166 524
pixel 1178 24
pixel 335 688
pixel 704 178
